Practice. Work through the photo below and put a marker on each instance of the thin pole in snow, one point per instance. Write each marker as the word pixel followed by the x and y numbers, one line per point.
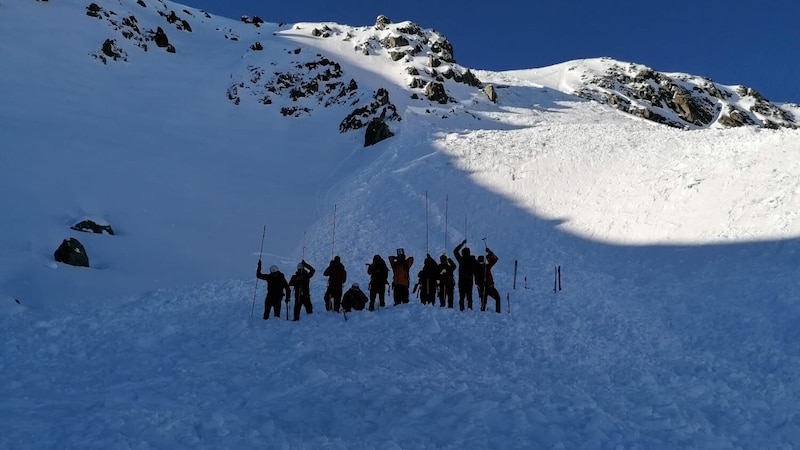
pixel 427 248
pixel 333 241
pixel 446 201
pixel 263 233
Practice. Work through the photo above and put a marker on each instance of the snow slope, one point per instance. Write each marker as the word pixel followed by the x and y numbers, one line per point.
pixel 679 251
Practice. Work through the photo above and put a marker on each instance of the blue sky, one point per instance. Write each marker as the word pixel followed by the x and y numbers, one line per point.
pixel 732 42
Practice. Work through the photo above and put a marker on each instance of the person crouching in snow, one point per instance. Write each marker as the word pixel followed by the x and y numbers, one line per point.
pixel 354 298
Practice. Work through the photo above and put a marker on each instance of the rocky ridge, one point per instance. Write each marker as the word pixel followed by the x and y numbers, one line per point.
pixel 677 99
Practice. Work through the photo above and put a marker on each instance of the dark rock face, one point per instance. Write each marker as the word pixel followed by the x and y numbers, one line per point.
pixel 93 10
pixel 161 38
pixel 436 93
pixel 377 131
pixel 71 252
pixel 109 50
pixel 380 108
pixel 92 227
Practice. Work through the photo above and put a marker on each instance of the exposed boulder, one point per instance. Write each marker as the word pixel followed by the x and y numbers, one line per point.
pixel 93 10
pixel 161 38
pixel 435 92
pixel 110 50
pixel 381 22
pixel 394 42
pixel 380 107
pixel 377 131
pixel 468 78
pixel 71 252
pixel 490 92
pixel 442 47
pixel 92 227
pixel 257 47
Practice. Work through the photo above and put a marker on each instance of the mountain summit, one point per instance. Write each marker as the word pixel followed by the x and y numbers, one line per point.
pixel 152 155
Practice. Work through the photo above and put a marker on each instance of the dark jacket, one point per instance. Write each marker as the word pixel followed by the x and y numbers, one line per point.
pixel 447 270
pixel 466 264
pixel 484 270
pixel 428 276
pixel 276 283
pixel 301 280
pixel 336 273
pixel 378 272
pixel 354 298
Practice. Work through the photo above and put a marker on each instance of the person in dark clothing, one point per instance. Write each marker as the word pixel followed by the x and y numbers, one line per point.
pixel 302 291
pixel 276 287
pixel 426 286
pixel 337 276
pixel 354 298
pixel 447 281
pixel 401 267
pixel 485 281
pixel 378 278
pixel 466 273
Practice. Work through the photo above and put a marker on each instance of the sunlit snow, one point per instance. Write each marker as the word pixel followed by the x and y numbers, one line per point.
pixel 676 326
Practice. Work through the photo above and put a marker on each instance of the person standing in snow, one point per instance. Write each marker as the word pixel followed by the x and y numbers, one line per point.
pixel 427 281
pixel 401 267
pixel 378 279
pixel 301 281
pixel 447 269
pixel 276 287
pixel 354 298
pixel 466 274
pixel 337 276
pixel 485 281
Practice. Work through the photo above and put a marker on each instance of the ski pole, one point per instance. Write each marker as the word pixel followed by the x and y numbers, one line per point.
pixel 514 286
pixel 253 308
pixel 446 201
pixel 333 242
pixel 485 296
pixel 559 278
pixel 427 248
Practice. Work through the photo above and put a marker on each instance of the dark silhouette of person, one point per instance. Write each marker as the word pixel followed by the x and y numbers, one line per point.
pixel 447 280
pixel 276 287
pixel 466 274
pixel 485 281
pixel 337 277
pixel 302 290
pixel 378 279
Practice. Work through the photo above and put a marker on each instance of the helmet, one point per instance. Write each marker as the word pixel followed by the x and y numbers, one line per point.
pixel 480 259
pixel 355 285
pixel 300 266
pixel 273 269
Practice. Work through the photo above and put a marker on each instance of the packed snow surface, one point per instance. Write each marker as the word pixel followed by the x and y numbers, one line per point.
pixel 676 325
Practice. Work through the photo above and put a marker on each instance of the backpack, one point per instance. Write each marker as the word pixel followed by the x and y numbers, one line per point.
pixel 380 271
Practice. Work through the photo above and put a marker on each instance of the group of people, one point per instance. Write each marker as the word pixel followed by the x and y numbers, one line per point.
pixel 435 279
